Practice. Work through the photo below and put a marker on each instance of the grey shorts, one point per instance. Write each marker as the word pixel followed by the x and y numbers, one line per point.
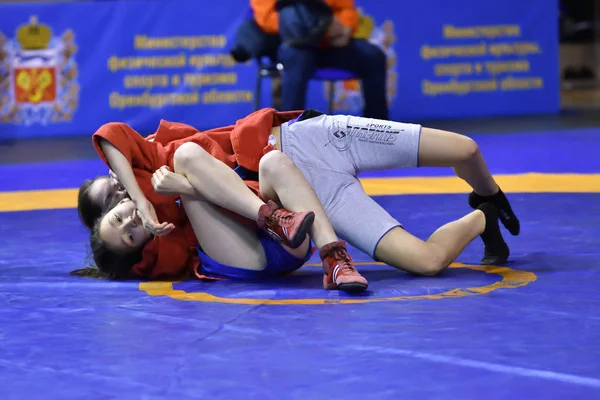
pixel 331 150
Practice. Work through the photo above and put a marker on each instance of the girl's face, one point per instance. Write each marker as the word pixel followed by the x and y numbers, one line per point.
pixel 121 228
pixel 105 191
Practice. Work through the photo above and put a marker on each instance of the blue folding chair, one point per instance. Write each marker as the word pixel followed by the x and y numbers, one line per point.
pixel 270 69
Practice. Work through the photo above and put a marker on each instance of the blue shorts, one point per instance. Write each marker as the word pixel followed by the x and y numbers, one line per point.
pixel 279 262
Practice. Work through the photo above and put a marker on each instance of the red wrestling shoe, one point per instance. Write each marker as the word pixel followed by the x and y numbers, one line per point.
pixel 287 227
pixel 340 272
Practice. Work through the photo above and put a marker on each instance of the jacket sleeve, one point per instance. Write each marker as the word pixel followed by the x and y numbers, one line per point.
pixel 345 11
pixel 265 15
pixel 171 131
pixel 139 152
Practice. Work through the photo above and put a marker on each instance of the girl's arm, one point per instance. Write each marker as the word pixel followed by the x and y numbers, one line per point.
pixel 123 170
pixel 121 167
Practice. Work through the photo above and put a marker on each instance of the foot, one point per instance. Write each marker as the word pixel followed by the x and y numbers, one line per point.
pixel 340 272
pixel 496 250
pixel 288 228
pixel 505 212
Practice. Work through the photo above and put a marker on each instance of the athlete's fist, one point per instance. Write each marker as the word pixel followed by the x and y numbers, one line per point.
pixel 169 183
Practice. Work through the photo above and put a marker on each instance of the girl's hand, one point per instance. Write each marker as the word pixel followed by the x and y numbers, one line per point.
pixel 169 183
pixel 148 216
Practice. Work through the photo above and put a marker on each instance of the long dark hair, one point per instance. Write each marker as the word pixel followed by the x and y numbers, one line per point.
pixel 106 263
pixel 88 212
pixel 114 265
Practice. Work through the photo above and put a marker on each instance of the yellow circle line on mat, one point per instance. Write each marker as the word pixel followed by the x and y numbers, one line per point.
pixel 519 183
pixel 511 279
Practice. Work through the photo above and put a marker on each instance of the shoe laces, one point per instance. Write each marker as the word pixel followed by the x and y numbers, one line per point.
pixel 343 259
pixel 280 217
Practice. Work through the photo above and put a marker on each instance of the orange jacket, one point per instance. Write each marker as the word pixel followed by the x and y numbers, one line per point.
pixel 174 255
pixel 267 18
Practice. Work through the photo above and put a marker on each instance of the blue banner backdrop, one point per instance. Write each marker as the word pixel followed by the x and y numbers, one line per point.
pixel 67 68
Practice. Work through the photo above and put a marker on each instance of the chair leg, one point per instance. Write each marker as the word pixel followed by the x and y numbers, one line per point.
pixel 331 97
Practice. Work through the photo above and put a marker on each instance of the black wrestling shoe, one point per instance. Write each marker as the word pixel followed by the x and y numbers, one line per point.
pixel 505 212
pixel 496 250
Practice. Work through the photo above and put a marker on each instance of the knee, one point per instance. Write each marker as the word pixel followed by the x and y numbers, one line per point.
pixel 186 154
pixel 121 126
pixel 299 63
pixel 469 149
pixel 274 163
pixel 372 56
pixel 401 250
pixel 298 56
pixel 431 264
pixel 431 269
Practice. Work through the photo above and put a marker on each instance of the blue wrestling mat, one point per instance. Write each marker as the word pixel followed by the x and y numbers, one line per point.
pixel 527 330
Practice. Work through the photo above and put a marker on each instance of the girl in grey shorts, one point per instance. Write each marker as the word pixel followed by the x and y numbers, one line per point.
pixel 331 151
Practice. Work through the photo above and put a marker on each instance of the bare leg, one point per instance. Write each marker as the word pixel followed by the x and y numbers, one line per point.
pixel 402 250
pixel 215 181
pixel 281 181
pixel 447 149
pixel 210 178
pixel 366 225
pixel 220 185
pixel 225 239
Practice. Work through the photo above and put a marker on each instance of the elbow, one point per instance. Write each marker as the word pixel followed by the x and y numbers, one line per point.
pixel 113 127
